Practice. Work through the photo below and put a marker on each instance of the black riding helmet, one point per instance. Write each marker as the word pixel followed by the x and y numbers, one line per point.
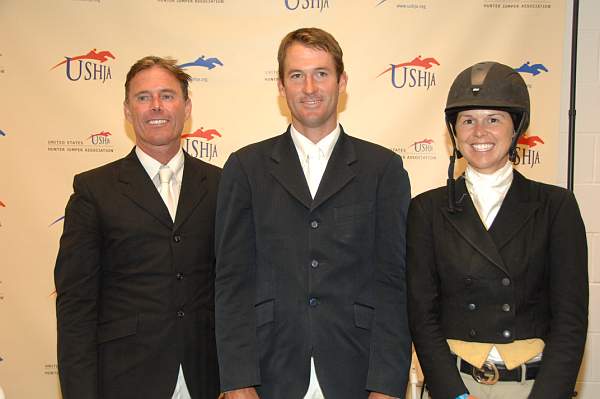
pixel 486 85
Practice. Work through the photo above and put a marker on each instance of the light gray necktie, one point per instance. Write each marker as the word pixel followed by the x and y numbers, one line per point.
pixel 165 174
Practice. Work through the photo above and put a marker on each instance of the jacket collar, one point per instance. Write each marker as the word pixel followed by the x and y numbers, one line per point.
pixel 286 169
pixel 139 188
pixel 515 212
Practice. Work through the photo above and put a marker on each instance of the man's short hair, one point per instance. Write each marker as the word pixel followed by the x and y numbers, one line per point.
pixel 314 38
pixel 166 63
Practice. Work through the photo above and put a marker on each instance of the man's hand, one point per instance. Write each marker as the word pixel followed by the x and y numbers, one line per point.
pixel 244 393
pixel 377 395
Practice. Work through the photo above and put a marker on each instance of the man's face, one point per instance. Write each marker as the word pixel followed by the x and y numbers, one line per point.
pixel 483 137
pixel 311 89
pixel 156 109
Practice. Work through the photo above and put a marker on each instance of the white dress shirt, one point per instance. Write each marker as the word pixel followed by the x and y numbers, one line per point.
pixel 314 158
pixel 152 166
pixel 488 190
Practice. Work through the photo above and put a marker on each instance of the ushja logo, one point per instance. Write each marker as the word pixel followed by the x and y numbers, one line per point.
pixel 208 63
pixel 530 141
pixel 533 69
pixel 425 145
pixel 208 134
pixel 198 144
pixel 413 73
pixel 100 138
pixel 525 154
pixel 89 66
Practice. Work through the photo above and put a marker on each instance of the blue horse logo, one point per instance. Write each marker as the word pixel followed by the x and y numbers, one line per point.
pixel 534 69
pixel 208 63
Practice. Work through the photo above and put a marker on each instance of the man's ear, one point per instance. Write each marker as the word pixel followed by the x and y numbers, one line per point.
pixel 343 81
pixel 126 111
pixel 281 87
pixel 188 108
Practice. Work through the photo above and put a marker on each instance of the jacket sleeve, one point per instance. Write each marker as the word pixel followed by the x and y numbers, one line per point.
pixel 235 324
pixel 77 280
pixel 568 280
pixel 441 374
pixel 390 352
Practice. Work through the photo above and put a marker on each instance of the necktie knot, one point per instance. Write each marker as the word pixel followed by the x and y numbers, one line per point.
pixel 165 174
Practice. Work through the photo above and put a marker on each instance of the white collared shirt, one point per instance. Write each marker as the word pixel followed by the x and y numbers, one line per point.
pixel 151 166
pixel 488 190
pixel 318 153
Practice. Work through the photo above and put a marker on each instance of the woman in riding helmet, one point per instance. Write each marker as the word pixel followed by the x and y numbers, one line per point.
pixel 497 263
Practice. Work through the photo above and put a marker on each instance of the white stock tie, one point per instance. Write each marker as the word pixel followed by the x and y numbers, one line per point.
pixel 165 174
pixel 315 171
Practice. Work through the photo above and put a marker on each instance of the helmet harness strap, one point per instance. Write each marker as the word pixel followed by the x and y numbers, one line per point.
pixel 453 204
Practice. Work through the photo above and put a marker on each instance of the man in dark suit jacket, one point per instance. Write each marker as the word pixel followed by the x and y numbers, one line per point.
pixel 135 270
pixel 310 238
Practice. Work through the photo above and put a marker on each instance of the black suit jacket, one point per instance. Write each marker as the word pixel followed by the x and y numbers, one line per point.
pixel 325 278
pixel 135 291
pixel 461 277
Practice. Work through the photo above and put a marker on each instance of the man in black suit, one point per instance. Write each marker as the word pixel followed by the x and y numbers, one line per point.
pixel 135 270
pixel 310 238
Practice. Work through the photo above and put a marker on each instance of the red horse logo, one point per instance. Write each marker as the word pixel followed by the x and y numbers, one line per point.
pixel 208 135
pixel 103 134
pixel 530 141
pixel 425 63
pixel 424 141
pixel 101 56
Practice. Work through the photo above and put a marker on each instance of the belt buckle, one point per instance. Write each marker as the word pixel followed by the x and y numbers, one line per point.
pixel 488 373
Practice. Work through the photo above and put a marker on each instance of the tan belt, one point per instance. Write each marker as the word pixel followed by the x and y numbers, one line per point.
pixel 513 354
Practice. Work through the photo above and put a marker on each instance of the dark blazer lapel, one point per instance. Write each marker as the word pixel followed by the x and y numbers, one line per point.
pixel 286 169
pixel 515 212
pixel 193 190
pixel 469 226
pixel 137 186
pixel 338 172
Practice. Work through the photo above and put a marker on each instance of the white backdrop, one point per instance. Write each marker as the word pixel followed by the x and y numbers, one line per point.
pixel 63 65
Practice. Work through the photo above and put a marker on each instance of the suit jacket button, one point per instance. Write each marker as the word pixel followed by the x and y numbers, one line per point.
pixel 314 224
pixel 472 333
pixel 472 306
pixel 314 263
pixel 506 334
pixel 506 281
pixel 313 302
pixel 177 238
pixel 468 281
pixel 180 313
pixel 506 307
pixel 179 276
